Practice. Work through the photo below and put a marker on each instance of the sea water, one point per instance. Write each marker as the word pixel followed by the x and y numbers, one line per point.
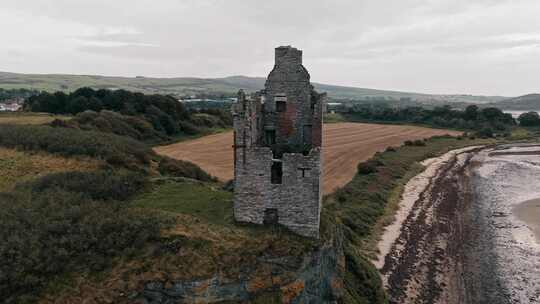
pixel 507 192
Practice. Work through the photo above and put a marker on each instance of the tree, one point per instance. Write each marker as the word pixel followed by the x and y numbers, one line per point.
pixel 471 112
pixel 529 119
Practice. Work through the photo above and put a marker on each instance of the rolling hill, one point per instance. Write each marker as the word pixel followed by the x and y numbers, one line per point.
pixel 523 103
pixel 194 86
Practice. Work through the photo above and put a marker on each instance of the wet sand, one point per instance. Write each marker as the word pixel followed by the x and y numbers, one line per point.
pixel 468 237
pixel 411 193
pixel 529 213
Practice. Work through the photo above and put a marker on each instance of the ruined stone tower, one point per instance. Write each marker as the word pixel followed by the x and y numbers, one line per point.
pixel 277 155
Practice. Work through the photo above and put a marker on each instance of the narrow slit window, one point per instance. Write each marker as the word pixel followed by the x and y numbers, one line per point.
pixel 277 173
pixel 303 172
pixel 270 137
pixel 281 106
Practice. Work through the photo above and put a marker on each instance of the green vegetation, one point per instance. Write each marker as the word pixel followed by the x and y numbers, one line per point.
pixel 132 214
pixel 149 118
pixel 115 150
pixel 487 120
pixel 333 118
pixel 17 167
pixel 523 103
pixel 52 227
pixel 368 202
pixel 179 168
pixel 16 93
pixel 65 204
pixel 25 118
pixel 529 119
pixel 99 185
pixel 207 202
pixel 213 87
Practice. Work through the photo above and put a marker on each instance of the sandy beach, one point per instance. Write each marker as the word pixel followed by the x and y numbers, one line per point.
pixel 467 231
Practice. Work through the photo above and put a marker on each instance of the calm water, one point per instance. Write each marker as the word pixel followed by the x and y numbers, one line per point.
pixel 529 213
pixel 515 114
pixel 507 189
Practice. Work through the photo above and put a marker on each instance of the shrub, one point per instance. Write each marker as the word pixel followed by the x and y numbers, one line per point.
pixel 229 186
pixel 416 143
pixel 179 168
pixel 149 118
pixel 419 143
pixel 98 185
pixel 390 149
pixel 117 150
pixel 529 119
pixel 369 166
pixel 55 232
pixel 485 132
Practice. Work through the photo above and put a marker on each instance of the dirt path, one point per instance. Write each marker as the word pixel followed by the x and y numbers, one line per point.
pixel 345 145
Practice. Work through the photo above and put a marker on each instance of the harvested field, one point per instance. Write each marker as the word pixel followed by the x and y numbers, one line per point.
pixel 25 118
pixel 345 145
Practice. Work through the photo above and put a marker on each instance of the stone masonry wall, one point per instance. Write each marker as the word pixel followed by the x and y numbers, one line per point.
pixel 297 199
pixel 295 202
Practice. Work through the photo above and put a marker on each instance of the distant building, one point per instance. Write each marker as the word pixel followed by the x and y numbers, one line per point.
pixel 11 105
pixel 277 149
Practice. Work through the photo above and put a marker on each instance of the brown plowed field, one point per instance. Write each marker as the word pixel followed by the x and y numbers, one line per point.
pixel 345 145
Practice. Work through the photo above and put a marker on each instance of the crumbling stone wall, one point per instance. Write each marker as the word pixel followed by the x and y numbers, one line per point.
pixel 278 139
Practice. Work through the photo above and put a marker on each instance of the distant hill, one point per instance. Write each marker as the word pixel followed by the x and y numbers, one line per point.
pixel 194 86
pixel 523 103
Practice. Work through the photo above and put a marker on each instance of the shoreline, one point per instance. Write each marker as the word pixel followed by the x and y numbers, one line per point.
pixel 464 230
pixel 411 193
pixel 424 264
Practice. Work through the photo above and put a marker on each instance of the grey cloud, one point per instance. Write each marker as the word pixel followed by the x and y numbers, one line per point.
pixel 450 46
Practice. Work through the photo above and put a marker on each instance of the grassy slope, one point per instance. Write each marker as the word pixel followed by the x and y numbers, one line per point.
pixel 17 166
pixel 207 202
pixel 186 85
pixel 202 241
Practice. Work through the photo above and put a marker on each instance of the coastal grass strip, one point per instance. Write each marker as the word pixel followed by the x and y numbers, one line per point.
pixel 368 203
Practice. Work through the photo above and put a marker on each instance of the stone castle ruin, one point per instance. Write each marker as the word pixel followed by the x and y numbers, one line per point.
pixel 277 155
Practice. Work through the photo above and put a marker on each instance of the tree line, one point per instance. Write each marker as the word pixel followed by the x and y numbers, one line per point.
pixel 488 120
pixel 16 93
pixel 149 118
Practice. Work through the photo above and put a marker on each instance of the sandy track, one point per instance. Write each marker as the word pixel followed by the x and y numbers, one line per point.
pixel 345 145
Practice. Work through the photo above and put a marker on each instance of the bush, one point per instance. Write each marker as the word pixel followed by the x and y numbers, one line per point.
pixel 419 143
pixel 486 132
pixel 116 150
pixel 390 149
pixel 98 185
pixel 529 119
pixel 111 122
pixel 416 143
pixel 369 166
pixel 179 168
pixel 55 232
pixel 149 118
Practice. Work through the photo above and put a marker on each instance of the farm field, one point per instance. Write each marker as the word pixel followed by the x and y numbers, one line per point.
pixel 25 118
pixel 345 145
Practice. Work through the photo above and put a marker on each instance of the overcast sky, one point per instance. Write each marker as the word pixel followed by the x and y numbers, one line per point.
pixel 489 47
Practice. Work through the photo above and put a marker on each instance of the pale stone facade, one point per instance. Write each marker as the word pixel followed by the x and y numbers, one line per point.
pixel 278 140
